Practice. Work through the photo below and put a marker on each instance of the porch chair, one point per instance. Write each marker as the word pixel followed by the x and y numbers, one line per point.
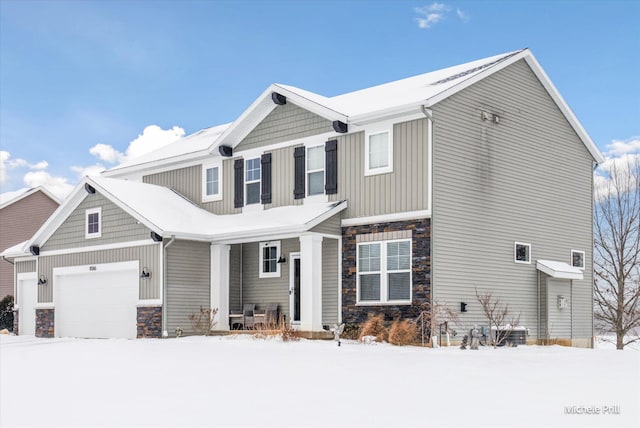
pixel 248 320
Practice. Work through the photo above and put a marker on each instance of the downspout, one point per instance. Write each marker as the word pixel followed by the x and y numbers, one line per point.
pixel 7 260
pixel 165 333
pixel 538 307
pixel 429 115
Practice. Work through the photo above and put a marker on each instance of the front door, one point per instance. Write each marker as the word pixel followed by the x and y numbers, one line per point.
pixel 27 298
pixel 294 288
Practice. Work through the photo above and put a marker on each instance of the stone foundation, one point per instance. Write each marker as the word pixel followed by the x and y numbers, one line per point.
pixel 421 271
pixel 44 322
pixel 149 321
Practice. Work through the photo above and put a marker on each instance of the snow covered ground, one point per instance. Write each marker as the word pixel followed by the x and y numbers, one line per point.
pixel 242 381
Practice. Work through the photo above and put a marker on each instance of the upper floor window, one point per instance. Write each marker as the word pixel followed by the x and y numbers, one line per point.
pixel 252 181
pixel 577 259
pixel 211 182
pixel 379 153
pixel 522 252
pixel 269 255
pixel 315 170
pixel 93 223
pixel 384 272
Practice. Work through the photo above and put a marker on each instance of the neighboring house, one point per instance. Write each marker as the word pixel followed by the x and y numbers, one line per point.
pixel 378 201
pixel 22 212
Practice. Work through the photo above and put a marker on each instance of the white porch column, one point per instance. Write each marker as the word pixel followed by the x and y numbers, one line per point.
pixel 220 284
pixel 311 282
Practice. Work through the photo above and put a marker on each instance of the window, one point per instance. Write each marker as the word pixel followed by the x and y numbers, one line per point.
pixel 211 182
pixel 522 252
pixel 93 226
pixel 269 255
pixel 315 170
pixel 384 272
pixel 577 259
pixel 379 153
pixel 252 181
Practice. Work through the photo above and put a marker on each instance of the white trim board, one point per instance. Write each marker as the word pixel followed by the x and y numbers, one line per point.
pixel 403 216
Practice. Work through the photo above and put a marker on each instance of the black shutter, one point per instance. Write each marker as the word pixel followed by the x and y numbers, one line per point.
pixel 331 167
pixel 238 185
pixel 265 194
pixel 299 171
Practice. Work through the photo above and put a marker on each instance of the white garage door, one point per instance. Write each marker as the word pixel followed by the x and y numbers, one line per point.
pixel 96 301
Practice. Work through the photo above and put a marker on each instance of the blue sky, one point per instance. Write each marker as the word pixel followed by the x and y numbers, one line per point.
pixel 79 75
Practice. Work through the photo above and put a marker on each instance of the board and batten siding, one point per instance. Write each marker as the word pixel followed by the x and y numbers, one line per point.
pixel 330 280
pixel 285 123
pixel 148 255
pixel 188 182
pixel 283 178
pixel 188 283
pixel 26 266
pixel 117 226
pixel 404 189
pixel 526 179
pixel 267 290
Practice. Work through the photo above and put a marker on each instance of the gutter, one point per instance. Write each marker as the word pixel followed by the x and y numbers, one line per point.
pixel 165 333
pixel 7 260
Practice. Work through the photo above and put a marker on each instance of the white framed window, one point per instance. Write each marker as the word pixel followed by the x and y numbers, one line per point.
pixel 315 170
pixel 93 223
pixel 384 272
pixel 378 152
pixel 269 255
pixel 522 252
pixel 252 181
pixel 577 259
pixel 211 182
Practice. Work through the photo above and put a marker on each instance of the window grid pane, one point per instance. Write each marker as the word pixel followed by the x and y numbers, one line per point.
pixel 93 223
pixel 253 169
pixel 269 259
pixel 398 255
pixel 379 150
pixel 315 158
pixel 212 181
pixel 369 260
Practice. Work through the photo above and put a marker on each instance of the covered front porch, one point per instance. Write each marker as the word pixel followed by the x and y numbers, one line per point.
pixel 295 269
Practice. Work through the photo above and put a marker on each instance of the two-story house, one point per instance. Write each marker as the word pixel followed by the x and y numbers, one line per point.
pixel 383 200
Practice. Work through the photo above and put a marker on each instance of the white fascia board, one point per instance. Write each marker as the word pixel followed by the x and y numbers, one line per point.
pixel 564 107
pixel 30 192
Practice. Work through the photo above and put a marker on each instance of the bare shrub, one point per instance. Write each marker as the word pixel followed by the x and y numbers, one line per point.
pixel 374 326
pixel 498 315
pixel 203 321
pixel 403 333
pixel 351 332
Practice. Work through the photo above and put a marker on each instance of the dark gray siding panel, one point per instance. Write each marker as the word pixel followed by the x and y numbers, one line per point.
pixel 25 267
pixel 404 189
pixel 117 226
pixel 285 123
pixel 148 255
pixel 527 179
pixel 267 290
pixel 330 281
pixel 188 283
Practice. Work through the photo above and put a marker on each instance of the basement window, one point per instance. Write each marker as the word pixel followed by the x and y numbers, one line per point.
pixel 522 253
pixel 577 259
pixel 93 223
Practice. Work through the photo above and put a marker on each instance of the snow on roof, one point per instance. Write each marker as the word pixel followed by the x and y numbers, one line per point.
pixel 166 212
pixel 200 141
pixel 560 270
pixel 8 198
pixel 17 250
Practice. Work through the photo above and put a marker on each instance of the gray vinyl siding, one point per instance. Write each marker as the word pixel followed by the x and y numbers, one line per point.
pixel 285 123
pixel 330 281
pixel 188 183
pixel 26 267
pixel 331 226
pixel 148 255
pixel 544 297
pixel 117 226
pixel 282 168
pixel 188 283
pixel 235 263
pixel 267 290
pixel 559 319
pixel 404 189
pixel 526 179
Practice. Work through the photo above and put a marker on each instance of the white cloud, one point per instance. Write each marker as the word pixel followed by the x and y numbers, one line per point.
pixel 6 163
pixel 621 156
pixel 91 170
pixel 153 137
pixel 59 186
pixel 622 147
pixel 433 13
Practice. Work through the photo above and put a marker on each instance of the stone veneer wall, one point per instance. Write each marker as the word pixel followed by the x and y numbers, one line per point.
pixel 421 271
pixel 150 321
pixel 44 322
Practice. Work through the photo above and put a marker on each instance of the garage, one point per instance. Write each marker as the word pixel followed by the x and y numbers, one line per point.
pixel 96 301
